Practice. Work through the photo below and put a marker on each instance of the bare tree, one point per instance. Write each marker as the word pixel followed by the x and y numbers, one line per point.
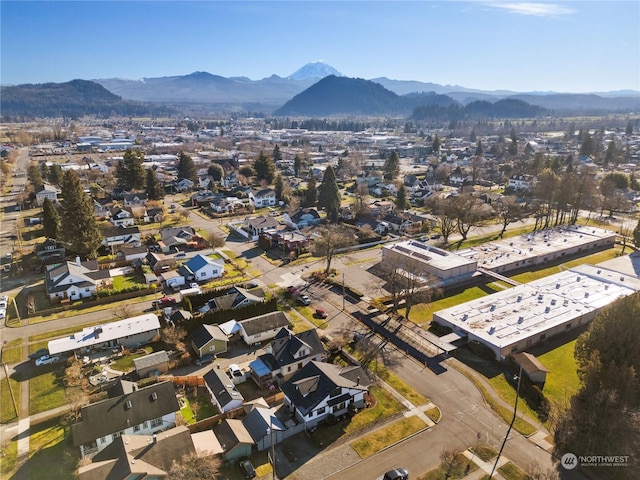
pixel 215 240
pixel 174 335
pixel 194 467
pixel 329 240
pixel 448 462
pixel 184 213
pixel 444 210
pixel 361 207
pixel 77 398
pixel 536 472
pixel 508 210
pixel 466 214
pixel 122 311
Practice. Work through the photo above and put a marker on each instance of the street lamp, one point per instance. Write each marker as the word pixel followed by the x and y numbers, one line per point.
pixel 273 449
pixel 513 420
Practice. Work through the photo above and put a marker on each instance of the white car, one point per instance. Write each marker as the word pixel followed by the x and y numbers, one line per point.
pixel 3 313
pixel 47 360
pixel 234 370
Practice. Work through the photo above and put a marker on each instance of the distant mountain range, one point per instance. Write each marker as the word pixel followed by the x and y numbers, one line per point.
pixel 303 92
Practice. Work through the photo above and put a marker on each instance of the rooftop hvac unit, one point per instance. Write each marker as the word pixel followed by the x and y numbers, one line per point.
pixel 557 286
pixel 128 405
pixel 553 302
pixel 519 299
pixel 520 319
pixel 492 330
pixel 586 294
pixel 465 317
pixel 547 309
pixel 154 396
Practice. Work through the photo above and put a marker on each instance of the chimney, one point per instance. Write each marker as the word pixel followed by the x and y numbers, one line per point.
pixel 357 381
pixel 78 262
pixel 154 438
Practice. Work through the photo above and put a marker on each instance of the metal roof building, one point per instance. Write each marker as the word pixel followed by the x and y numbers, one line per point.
pixel 515 319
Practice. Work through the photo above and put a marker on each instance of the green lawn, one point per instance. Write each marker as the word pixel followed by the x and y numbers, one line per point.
pixel 510 472
pixel 434 414
pixel 484 453
pixel 12 351
pixel 562 380
pixel 7 410
pixel 385 406
pixel 9 459
pixel 122 282
pixel 51 444
pixel 46 391
pixel 376 441
pixel 460 467
pixel 125 364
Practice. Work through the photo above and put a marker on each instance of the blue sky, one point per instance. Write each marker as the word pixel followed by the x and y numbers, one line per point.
pixel 570 46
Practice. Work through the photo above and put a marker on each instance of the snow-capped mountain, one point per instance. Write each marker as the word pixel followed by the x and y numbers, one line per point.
pixel 314 70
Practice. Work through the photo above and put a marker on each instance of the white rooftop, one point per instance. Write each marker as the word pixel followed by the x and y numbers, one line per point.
pixel 533 245
pixel 99 334
pixel 527 310
pixel 425 253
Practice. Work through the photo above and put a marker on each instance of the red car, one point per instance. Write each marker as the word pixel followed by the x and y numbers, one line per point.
pixel 320 313
pixel 163 302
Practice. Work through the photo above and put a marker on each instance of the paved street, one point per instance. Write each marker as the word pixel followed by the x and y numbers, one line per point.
pixel 466 420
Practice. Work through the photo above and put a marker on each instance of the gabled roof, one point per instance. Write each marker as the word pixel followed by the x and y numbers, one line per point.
pixel 153 359
pixel 298 214
pixel 232 432
pixel 259 420
pixel 115 414
pixel 199 261
pixel 317 380
pixel 284 346
pixel 265 192
pixel 139 454
pixel 87 273
pixel 264 323
pixel 222 387
pixel 263 222
pixel 203 334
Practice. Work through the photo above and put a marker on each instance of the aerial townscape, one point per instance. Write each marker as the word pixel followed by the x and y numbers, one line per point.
pixel 318 277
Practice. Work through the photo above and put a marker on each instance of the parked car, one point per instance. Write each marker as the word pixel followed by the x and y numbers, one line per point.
pixel 320 313
pixel 3 301
pixel 47 360
pixel 163 302
pixel 205 359
pixel 3 313
pixel 181 255
pixel 38 353
pixel 234 370
pixel 304 300
pixel 293 290
pixel 395 474
pixel 247 469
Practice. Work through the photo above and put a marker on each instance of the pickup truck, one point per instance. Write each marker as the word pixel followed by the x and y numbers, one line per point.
pixel 163 302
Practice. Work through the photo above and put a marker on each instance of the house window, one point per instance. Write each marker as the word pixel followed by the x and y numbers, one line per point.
pixel 136 428
pixel 288 368
pixel 203 274
pixel 87 289
pixel 156 422
pixel 543 336
pixel 118 434
pixel 320 411
pixel 145 425
pixel 567 326
pixel 212 348
pixel 299 365
pixel 103 440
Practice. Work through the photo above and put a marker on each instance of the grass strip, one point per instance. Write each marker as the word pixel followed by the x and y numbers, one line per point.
pixel 8 411
pixel 510 472
pixel 434 414
pixel 484 453
pixel 46 391
pixel 386 436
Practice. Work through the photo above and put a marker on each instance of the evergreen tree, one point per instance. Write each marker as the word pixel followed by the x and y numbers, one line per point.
pixel 479 149
pixel 329 195
pixel 277 155
pixel 636 235
pixel 586 148
pixel 44 171
pixel 610 156
pixel 186 167
pixel 401 198
pixel 55 174
pixel 50 220
pixel 216 172
pixel 392 166
pixel 80 227
pixel 34 175
pixel 513 146
pixel 435 146
pixel 629 129
pixel 297 165
pixel 152 186
pixel 473 136
pixel 278 186
pixel 265 168
pixel 130 170
pixel 311 194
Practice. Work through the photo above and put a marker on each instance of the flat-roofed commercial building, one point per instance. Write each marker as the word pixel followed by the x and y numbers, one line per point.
pixel 515 319
pixel 539 247
pixel 422 259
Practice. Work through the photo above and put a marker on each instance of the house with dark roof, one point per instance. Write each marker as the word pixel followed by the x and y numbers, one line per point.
pixel 260 420
pixel 235 297
pixel 263 327
pixel 322 389
pixel 202 268
pixel 263 198
pixel 303 217
pixel 139 456
pixel 209 339
pixel 121 216
pixel 159 262
pixel 237 441
pixel 144 411
pixel 223 392
pixel 285 355
pixel 175 236
pixel 75 280
pixel 135 200
pixel 257 225
pixel 531 367
pixel 121 235
pixel 50 249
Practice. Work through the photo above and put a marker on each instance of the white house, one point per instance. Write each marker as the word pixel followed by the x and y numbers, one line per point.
pixel 263 327
pixel 263 198
pixel 47 191
pixel 121 217
pixel 140 411
pixel 122 236
pixel 75 280
pixel 222 390
pixel 322 389
pixel 521 182
pixel 172 279
pixel 203 268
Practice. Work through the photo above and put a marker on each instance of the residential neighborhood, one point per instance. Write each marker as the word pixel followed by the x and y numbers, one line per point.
pixel 254 292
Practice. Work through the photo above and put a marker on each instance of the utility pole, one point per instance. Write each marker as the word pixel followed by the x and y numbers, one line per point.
pixel 513 420
pixel 273 450
pixel 343 291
